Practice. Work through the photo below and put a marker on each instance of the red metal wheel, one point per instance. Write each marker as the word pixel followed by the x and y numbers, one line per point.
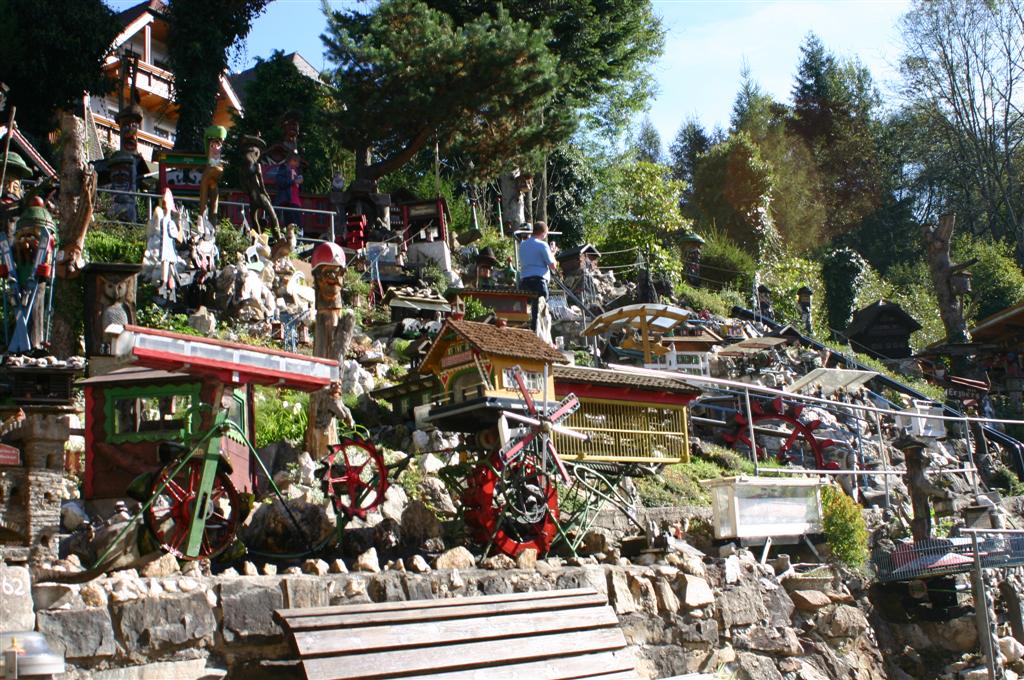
pixel 170 514
pixel 788 438
pixel 355 477
pixel 512 506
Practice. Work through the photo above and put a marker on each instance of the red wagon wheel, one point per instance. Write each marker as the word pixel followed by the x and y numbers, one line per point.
pixel 513 506
pixel 781 432
pixel 355 477
pixel 170 514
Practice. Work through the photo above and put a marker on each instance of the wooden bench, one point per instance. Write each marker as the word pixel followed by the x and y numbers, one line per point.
pixel 549 634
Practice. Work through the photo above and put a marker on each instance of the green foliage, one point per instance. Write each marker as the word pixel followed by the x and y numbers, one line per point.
pixel 572 183
pixel 842 273
pixel 844 527
pixel 647 143
pixel 583 358
pixel 230 241
pixel 908 285
pixel 785 277
pixel 732 190
pixel 355 287
pixel 474 309
pixel 434 277
pixel 647 222
pixel 703 298
pixel 690 143
pixel 501 245
pixel 51 53
pixel 724 264
pixel 115 242
pixel 998 282
pixel 200 35
pixel 680 484
pixel 281 416
pixel 277 88
pixel 406 75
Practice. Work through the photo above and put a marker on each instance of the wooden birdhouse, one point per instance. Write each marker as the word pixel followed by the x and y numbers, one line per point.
pixel 474 363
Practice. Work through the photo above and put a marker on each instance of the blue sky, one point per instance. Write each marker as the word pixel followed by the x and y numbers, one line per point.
pixel 706 43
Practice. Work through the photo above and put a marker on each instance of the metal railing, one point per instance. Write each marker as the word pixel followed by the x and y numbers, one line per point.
pixel 280 211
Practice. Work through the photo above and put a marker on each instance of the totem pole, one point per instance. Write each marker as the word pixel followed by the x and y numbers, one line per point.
pixel 27 264
pixel 331 336
pixel 14 170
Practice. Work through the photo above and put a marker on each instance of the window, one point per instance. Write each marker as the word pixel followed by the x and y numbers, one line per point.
pixel 534 380
pixel 154 413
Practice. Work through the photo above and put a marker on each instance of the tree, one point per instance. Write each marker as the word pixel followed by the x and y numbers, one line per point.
pixel 407 75
pixel 732 190
pixel 962 69
pixel 200 34
pixel 572 184
pixel 278 87
pixel 647 143
pixel 52 54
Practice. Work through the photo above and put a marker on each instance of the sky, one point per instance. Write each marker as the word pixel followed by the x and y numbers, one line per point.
pixel 706 44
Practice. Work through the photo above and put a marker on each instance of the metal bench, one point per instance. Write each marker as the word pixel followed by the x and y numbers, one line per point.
pixel 549 634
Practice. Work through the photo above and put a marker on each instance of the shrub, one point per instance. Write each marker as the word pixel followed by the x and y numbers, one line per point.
pixel 785 277
pixel 281 416
pixel 110 242
pixel 998 282
pixel 844 527
pixel 474 309
pixel 230 241
pixel 843 272
pixel 699 299
pixel 723 264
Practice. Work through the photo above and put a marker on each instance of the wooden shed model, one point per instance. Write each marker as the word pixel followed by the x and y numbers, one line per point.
pixel 510 305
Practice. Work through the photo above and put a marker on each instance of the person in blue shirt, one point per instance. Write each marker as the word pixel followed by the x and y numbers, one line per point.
pixel 535 266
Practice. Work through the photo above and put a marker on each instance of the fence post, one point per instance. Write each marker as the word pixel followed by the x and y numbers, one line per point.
pixel 750 429
pixel 981 611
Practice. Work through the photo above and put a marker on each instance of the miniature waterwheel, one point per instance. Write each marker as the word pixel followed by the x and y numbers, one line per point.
pixel 355 477
pixel 779 431
pixel 170 514
pixel 512 506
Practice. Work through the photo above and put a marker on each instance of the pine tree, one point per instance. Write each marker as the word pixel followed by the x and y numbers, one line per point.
pixel 647 144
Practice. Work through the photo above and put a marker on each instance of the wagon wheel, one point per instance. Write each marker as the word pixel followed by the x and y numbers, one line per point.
pixel 169 516
pixel 513 506
pixel 355 477
pixel 781 432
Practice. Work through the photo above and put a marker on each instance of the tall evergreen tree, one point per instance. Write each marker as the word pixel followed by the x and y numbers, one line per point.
pixel 647 143
pixel 691 142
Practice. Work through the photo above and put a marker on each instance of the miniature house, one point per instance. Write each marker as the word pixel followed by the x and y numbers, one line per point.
pixel 629 418
pixel 474 364
pixel 750 508
pixel 575 260
pixel 410 303
pixel 689 350
pixel 510 305
pixel 882 330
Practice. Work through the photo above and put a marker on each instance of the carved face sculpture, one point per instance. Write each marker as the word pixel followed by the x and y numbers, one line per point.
pixel 291 132
pixel 328 283
pixel 213 152
pixel 130 136
pixel 12 187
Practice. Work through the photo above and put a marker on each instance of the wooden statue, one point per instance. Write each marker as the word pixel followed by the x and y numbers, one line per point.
pixel 945 274
pixel 922 489
pixel 331 337
pixel 209 194
pixel 251 177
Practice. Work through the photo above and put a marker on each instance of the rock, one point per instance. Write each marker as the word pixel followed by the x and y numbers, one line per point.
pixel 77 633
pixel 429 464
pixel 810 600
pixel 249 569
pixel 733 570
pixel 203 321
pixel 436 495
pixel 619 592
pixel 779 641
pixel 368 562
pixel 456 558
pixel 72 515
pixel 93 595
pixel 151 624
pixel 848 622
pixel 418 564
pixel 270 527
pixel 249 609
pixel 498 562
pixel 16 604
pixel 53 595
pixel 387 535
pixel 642 590
pixel 338 566
pixel 269 569
pixel 419 523
pixel 689 564
pixel 230 572
pixel 1011 649
pixel 315 567
pixel 527 559
pixel 694 591
pixel 756 667
pixel 667 600
pixel 594 542
pixel 188 584
pixel 395 500
pixel 456 580
pixel 355 588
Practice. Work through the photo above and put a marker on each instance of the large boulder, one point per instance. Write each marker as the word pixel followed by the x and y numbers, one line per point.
pixel 153 624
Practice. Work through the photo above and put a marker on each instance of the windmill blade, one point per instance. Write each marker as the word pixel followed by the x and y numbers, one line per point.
pixel 566 408
pixel 566 477
pixel 509 453
pixel 521 418
pixel 570 432
pixel 530 406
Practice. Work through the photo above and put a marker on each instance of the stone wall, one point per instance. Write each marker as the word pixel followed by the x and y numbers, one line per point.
pixel 691 616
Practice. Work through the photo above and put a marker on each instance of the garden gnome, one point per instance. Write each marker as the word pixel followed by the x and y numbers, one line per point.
pixel 209 194
pixel 803 298
pixel 27 265
pixel 251 176
pixel 331 336
pixel 764 303
pixel 14 170
pixel 485 263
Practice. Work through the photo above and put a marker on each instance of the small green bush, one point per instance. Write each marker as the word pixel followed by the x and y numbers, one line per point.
pixel 281 416
pixel 724 264
pixel 474 309
pixel 230 241
pixel 110 242
pixel 844 527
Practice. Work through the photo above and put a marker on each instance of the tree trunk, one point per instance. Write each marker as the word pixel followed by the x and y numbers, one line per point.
pixel 513 208
pixel 937 240
pixel 541 210
pixel 67 314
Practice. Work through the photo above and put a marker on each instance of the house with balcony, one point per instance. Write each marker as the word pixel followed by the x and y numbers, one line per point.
pixel 144 34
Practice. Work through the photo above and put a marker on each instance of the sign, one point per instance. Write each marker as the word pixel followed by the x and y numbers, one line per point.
pixel 958 388
pixel 457 359
pixel 9 455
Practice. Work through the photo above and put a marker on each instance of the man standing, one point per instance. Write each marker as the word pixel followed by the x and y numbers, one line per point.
pixel 535 266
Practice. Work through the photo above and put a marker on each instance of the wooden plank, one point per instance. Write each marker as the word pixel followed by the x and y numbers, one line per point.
pixel 468 609
pixel 462 656
pixel 429 604
pixel 620 663
pixel 414 635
